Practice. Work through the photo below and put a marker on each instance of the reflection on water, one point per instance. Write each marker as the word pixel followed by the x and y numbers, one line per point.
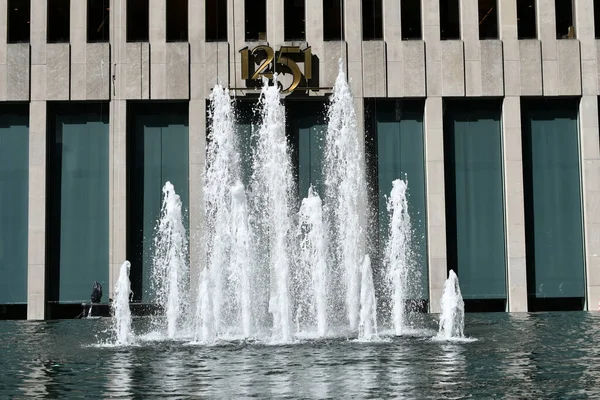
pixel 119 375
pixel 546 355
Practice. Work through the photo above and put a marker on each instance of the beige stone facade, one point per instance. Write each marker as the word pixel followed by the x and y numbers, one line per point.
pixel 431 68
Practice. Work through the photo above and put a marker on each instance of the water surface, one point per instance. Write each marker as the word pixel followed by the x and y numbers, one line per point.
pixel 545 355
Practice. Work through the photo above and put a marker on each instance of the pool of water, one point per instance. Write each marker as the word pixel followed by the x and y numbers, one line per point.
pixel 545 355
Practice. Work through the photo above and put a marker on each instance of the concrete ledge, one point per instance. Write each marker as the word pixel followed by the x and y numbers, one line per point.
pixel 178 71
pixel 98 71
pixel 17 72
pixel 530 53
pixel 58 71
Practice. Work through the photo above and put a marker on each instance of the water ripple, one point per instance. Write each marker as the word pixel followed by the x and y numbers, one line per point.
pixel 549 355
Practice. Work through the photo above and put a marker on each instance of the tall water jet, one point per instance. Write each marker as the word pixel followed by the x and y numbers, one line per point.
pixel 368 309
pixel 346 192
pixel 272 185
pixel 170 269
pixel 241 258
pixel 311 278
pixel 218 308
pixel 452 318
pixel 121 321
pixel 401 273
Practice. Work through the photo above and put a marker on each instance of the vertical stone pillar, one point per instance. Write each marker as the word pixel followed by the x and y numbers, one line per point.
pixel 36 268
pixel 584 31
pixel 197 140
pixel 353 34
pixel 3 48
pixel 430 11
pixel 469 28
pixel 436 200
pixel 118 141
pixel 514 205
pixel 588 125
pixel 507 19
pixel 546 27
pixel 275 30
pixel 78 49
pixel 158 49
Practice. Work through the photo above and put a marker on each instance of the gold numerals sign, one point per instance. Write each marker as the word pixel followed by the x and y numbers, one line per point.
pixel 263 61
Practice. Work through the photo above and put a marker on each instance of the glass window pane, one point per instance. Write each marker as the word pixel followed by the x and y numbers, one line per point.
pixel 474 197
pixel 398 131
pixel 14 189
pixel 160 152
pixel 81 136
pixel 308 128
pixel 553 218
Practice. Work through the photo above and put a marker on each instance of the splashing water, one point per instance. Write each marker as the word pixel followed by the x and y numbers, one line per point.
pixel 272 184
pixel 311 279
pixel 218 308
pixel 397 255
pixel 368 309
pixel 241 258
pixel 346 192
pixel 121 321
pixel 452 318
pixel 266 270
pixel 170 269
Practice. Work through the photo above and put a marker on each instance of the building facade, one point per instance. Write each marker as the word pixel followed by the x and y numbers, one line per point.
pixel 489 108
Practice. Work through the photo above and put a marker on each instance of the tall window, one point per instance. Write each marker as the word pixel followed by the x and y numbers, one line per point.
pixel 552 197
pixel 449 20
pixel 474 197
pixel 564 19
pixel 158 137
pixel 394 145
pixel 77 190
pixel 98 20
pixel 138 21
pixel 526 25
pixel 488 19
pixel 372 20
pixel 216 20
pixel 255 12
pixel 410 14
pixel 59 21
pixel 177 20
pixel 333 20
pixel 14 194
pixel 19 14
pixel 294 20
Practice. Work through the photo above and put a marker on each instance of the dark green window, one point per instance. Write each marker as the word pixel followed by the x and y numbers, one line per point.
pixel 553 218
pixel 307 129
pixel 475 231
pixel 158 147
pixel 247 124
pixel 395 150
pixel 78 176
pixel 14 193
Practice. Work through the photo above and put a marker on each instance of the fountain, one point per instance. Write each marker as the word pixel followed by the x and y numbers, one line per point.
pixel 346 196
pixel 224 284
pixel 368 309
pixel 170 269
pixel 397 255
pixel 121 322
pixel 270 266
pixel 452 318
pixel 272 185
pixel 311 278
